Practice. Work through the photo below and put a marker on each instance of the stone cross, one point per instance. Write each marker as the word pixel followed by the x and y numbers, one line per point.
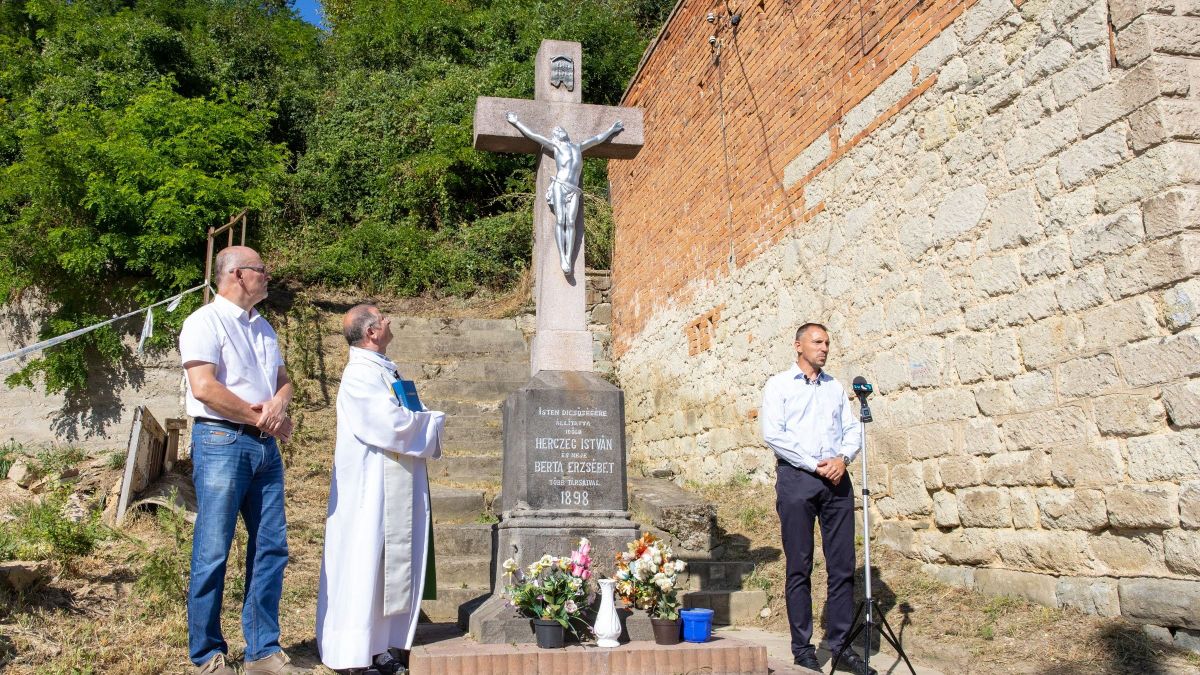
pixel 562 340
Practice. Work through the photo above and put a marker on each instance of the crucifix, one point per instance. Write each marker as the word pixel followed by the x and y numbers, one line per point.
pixel 547 503
pixel 562 340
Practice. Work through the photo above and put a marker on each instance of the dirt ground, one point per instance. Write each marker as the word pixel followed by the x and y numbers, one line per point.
pixel 98 614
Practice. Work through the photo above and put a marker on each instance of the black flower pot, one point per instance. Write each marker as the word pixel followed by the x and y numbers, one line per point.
pixel 666 631
pixel 549 633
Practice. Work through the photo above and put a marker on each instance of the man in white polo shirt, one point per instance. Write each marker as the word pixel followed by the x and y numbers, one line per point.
pixel 807 420
pixel 238 392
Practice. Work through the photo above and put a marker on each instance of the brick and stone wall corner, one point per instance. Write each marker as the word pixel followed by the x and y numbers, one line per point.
pixel 1012 257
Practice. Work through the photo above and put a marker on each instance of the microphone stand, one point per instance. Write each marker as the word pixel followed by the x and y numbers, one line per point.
pixel 867 607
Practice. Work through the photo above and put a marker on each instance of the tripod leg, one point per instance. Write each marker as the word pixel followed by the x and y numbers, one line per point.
pixel 857 628
pixel 886 632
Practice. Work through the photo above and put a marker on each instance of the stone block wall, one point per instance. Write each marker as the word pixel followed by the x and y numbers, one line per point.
pixel 98 419
pixel 599 316
pixel 1003 235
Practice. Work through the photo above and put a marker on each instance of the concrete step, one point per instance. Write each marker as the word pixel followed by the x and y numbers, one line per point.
pixel 464 571
pixel 456 505
pixel 482 440
pixel 503 366
pixel 455 390
pixel 485 370
pixel 690 521
pixel 467 467
pixel 452 326
pixel 484 423
pixel 450 601
pixel 729 607
pixel 715 575
pixel 467 409
pixel 419 348
pixel 469 539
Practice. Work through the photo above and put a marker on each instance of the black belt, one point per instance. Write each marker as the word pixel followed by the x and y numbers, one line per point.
pixel 246 429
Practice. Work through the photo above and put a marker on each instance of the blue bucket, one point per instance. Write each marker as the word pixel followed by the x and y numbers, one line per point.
pixel 697 624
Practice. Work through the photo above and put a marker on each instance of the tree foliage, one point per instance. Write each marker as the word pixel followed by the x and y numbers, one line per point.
pixel 129 127
pixel 390 147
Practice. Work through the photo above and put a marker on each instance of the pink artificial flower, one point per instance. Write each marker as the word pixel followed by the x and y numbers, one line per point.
pixel 580 564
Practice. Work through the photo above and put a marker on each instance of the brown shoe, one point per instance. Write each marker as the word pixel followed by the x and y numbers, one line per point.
pixel 275 664
pixel 215 666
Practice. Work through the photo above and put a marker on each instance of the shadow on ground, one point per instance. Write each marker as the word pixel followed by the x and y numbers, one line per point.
pixel 1127 650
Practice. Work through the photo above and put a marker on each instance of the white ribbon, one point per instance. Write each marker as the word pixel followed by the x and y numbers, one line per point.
pixel 147 327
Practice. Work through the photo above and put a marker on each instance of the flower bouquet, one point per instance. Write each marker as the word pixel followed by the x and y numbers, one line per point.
pixel 646 576
pixel 552 591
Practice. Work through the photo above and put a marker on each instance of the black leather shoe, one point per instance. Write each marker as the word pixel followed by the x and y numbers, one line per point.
pixel 387 664
pixel 851 662
pixel 808 660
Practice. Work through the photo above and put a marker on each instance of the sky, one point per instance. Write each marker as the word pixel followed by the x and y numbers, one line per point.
pixel 310 11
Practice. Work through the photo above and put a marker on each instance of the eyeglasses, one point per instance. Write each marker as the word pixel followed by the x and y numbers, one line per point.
pixel 261 269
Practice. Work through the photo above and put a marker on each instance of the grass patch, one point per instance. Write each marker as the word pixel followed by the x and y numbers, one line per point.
pixel 487 518
pixel 40 531
pixel 55 459
pixel 8 454
pixel 758 579
pixel 162 582
pixel 753 514
pixel 115 460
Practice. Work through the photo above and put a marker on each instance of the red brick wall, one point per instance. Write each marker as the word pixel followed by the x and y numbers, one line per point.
pixel 786 75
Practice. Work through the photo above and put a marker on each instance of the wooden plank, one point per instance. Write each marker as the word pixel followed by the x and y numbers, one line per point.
pixel 144 458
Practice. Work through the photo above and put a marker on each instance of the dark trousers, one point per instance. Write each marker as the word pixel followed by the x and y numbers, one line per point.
pixel 801 497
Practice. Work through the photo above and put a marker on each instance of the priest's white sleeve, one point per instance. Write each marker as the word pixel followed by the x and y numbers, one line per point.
pixel 380 422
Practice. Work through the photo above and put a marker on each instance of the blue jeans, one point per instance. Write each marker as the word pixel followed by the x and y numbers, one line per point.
pixel 236 473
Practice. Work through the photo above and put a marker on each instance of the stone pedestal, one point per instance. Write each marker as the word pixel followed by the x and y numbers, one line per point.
pixel 563 479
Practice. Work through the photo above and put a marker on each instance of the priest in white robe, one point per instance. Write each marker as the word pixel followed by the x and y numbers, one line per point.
pixel 378 531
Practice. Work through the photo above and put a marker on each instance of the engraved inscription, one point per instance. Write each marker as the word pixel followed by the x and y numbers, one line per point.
pixel 574 455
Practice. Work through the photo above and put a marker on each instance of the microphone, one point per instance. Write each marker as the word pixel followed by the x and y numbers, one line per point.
pixel 862 389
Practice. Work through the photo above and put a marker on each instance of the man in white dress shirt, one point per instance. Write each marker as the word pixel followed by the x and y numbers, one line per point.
pixel 238 392
pixel 377 533
pixel 807 420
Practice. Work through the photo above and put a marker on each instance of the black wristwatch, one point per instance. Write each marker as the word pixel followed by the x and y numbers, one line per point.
pixel 846 461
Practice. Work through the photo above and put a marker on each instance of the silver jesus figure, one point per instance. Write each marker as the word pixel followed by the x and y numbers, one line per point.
pixel 564 192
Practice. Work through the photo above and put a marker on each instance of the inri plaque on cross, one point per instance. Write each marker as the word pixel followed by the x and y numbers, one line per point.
pixel 562 340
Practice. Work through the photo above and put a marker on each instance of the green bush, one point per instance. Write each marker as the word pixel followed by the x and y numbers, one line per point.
pixel 125 131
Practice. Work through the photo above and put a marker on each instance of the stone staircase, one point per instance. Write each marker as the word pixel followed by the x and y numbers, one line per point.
pixel 466 368
pixel 688 523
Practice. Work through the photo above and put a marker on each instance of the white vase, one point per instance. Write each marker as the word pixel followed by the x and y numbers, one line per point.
pixel 608 624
